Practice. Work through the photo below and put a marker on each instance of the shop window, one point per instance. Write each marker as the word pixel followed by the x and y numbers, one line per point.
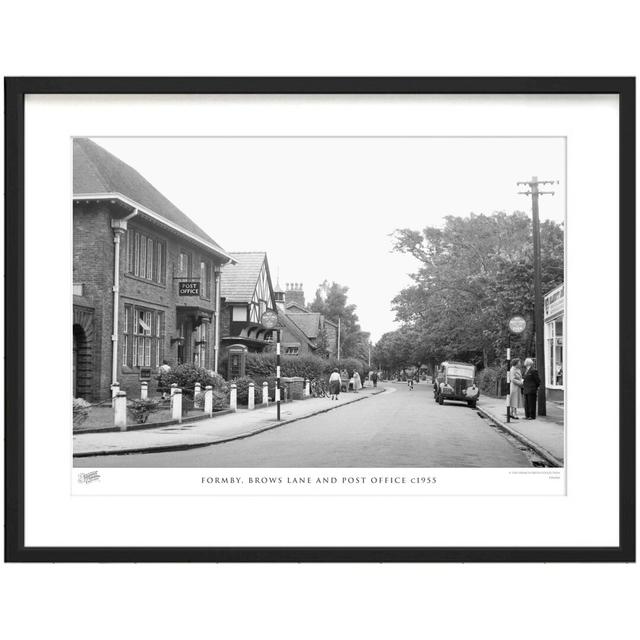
pixel 554 340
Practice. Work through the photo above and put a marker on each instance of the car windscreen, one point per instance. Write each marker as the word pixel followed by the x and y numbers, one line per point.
pixel 459 372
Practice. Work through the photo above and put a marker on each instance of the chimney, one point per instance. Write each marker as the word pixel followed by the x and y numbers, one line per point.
pixel 295 293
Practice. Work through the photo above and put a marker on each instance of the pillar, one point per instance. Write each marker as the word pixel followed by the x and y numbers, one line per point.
pixel 208 400
pixel 197 400
pixel 307 388
pixel 144 390
pixel 120 410
pixel 115 389
pixel 233 397
pixel 265 394
pixel 176 404
pixel 251 400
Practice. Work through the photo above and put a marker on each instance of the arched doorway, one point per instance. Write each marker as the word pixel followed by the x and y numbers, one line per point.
pixel 83 353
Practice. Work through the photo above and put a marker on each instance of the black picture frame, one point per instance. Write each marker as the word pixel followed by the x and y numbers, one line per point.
pixel 15 91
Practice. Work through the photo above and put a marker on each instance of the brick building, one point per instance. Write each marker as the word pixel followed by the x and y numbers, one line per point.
pixel 304 332
pixel 136 253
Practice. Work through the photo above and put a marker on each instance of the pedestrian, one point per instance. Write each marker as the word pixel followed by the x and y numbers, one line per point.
pixel 410 383
pixel 515 388
pixel 530 384
pixel 163 369
pixel 374 379
pixel 357 384
pixel 334 384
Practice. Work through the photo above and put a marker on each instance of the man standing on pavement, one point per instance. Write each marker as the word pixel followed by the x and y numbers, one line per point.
pixel 530 384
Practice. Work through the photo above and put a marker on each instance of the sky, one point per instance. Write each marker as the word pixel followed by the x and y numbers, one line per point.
pixel 325 208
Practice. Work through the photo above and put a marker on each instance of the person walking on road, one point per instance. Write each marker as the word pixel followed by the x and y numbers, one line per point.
pixel 410 383
pixel 530 384
pixel 374 379
pixel 357 384
pixel 334 384
pixel 515 388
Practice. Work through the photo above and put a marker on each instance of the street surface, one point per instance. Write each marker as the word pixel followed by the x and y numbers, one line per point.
pixel 399 428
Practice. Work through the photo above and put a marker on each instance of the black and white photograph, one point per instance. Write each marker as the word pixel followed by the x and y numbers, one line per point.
pixel 391 302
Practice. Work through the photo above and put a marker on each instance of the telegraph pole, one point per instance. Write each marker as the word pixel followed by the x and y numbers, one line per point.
pixel 538 314
pixel 338 338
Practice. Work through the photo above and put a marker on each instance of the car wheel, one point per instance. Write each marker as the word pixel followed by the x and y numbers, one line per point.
pixel 440 400
pixel 472 404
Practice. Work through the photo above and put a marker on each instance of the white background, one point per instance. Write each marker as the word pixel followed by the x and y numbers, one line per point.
pixel 587 516
pixel 399 38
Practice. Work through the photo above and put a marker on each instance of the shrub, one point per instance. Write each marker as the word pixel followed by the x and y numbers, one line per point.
pixel 487 379
pixel 242 385
pixel 140 410
pixel 186 376
pixel 80 411
pixel 220 400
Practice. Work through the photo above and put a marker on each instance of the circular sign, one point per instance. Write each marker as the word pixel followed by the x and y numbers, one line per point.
pixel 269 319
pixel 517 324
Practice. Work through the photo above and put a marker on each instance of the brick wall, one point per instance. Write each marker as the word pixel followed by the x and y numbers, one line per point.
pixel 93 254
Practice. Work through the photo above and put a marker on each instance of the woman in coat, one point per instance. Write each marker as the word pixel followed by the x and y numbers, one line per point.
pixel 515 388
pixel 357 384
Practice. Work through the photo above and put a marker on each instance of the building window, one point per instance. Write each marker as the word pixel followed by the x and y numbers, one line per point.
pixel 292 351
pixel 184 265
pixel 200 347
pixel 239 313
pixel 554 352
pixel 145 256
pixel 205 279
pixel 142 344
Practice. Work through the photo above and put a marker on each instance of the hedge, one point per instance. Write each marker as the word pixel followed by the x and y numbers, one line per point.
pixel 260 366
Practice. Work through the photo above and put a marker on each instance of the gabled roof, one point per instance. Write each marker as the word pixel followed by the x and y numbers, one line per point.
pixel 238 281
pixel 294 307
pixel 309 323
pixel 285 321
pixel 98 172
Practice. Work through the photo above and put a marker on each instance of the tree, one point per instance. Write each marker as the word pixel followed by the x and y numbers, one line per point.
pixel 331 301
pixel 474 273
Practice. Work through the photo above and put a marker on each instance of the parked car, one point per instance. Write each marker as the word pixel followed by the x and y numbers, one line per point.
pixel 456 381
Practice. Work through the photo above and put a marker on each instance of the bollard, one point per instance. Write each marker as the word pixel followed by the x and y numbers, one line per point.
pixel 208 400
pixel 144 390
pixel 278 394
pixel 176 404
pixel 265 393
pixel 233 397
pixel 120 411
pixel 251 399
pixel 197 398
pixel 115 389
pixel 307 388
pixel 174 386
pixel 284 394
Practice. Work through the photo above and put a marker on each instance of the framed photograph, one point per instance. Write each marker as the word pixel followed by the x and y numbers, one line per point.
pixel 320 319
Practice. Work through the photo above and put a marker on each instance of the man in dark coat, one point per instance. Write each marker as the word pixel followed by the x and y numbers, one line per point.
pixel 530 384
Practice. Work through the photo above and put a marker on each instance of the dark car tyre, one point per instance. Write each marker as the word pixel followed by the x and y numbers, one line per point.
pixel 472 404
pixel 440 400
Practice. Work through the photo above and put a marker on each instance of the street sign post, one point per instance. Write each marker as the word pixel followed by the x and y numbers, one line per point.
pixel 517 324
pixel 269 320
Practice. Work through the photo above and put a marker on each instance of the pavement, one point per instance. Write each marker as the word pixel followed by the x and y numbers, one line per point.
pixel 544 434
pixel 393 429
pixel 215 430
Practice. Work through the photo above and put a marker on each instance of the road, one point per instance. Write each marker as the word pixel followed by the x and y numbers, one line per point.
pixel 399 428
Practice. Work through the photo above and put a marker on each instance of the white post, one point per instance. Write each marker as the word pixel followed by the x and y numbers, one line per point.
pixel 176 405
pixel 265 394
pixel 197 401
pixel 174 387
pixel 233 397
pixel 144 390
pixel 307 388
pixel 208 400
pixel 115 390
pixel 120 411
pixel 252 396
